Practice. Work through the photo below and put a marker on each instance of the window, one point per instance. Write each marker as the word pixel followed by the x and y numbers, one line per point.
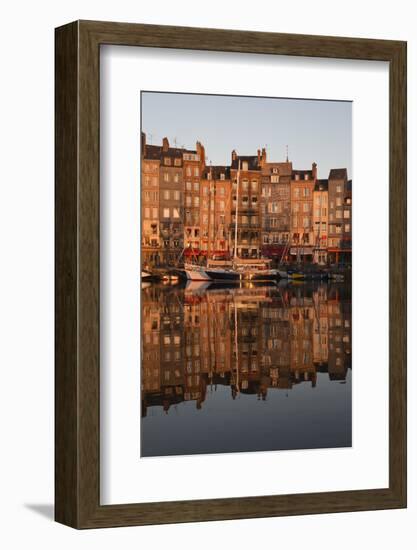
pixel 167 161
pixel 188 201
pixel 166 176
pixel 338 189
pixel 245 185
pixel 196 185
pixel 254 200
pixel 188 186
pixel 155 213
pixel 147 213
pixel 296 193
pixel 177 162
pixel 176 213
pixel 177 195
pixel 346 214
pixel 338 201
pixel 188 171
pixel 196 172
pixel 222 190
pixel 297 177
pixel 306 222
pixel 254 185
pixel 245 165
pixel 166 195
pixel 221 205
pixel 196 201
pixel 274 179
pixel 338 214
pixel 245 200
pixel 222 176
pixel 166 212
pixel 205 190
pixel 347 228
pixel 296 207
pixel 176 178
pixel 338 228
pixel 306 192
pixel 306 207
pixel 306 176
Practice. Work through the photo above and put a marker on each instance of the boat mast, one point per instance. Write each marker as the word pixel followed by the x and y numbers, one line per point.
pixel 237 207
pixel 209 217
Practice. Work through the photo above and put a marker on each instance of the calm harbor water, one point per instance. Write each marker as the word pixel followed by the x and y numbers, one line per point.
pixel 245 369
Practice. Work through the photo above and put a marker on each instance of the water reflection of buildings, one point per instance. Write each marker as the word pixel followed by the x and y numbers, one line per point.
pixel 252 340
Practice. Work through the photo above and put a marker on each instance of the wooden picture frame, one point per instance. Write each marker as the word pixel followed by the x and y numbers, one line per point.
pixel 77 405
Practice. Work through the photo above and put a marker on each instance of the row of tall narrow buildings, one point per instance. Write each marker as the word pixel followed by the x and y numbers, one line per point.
pixel 189 208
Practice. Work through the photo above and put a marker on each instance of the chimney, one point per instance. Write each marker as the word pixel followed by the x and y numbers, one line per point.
pixel 314 170
pixel 165 144
pixel 263 154
pixel 143 143
pixel 201 152
pixel 259 156
pixel 234 155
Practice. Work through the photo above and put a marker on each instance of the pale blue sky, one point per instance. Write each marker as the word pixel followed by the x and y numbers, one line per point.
pixel 315 131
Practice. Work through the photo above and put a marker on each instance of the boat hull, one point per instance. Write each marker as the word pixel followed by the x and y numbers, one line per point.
pixel 217 275
pixel 197 275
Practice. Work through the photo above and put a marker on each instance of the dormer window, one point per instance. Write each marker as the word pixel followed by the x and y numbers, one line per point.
pixel 222 176
pixel 245 165
pixel 306 176
pixel 167 161
pixel 297 177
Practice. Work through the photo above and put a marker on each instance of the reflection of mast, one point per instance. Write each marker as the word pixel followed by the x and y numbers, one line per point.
pixel 236 350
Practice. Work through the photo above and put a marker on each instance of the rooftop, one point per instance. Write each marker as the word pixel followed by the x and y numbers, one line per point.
pixel 338 174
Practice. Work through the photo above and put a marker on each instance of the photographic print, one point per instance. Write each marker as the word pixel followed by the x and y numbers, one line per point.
pixel 246 263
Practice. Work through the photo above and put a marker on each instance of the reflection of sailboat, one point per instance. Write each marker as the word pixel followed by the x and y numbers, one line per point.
pixel 146 274
pixel 197 286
